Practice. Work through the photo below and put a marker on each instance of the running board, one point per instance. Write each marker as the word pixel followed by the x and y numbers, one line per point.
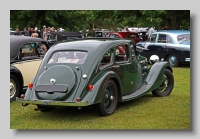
pixel 140 92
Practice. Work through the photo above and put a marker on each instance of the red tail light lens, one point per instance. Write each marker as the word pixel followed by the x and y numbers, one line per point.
pixel 78 99
pixel 90 87
pixel 22 96
pixel 30 85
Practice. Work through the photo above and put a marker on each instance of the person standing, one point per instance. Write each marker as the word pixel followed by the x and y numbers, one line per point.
pixel 37 31
pixel 150 31
pixel 17 31
pixel 45 34
pixel 42 31
pixel 25 32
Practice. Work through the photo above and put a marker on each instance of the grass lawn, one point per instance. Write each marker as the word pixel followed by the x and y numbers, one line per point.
pixel 147 112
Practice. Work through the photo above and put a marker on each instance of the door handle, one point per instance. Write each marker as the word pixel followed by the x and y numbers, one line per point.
pixel 116 66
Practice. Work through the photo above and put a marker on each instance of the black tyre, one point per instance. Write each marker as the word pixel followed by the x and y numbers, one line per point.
pixel 44 108
pixel 108 104
pixel 167 85
pixel 14 88
pixel 173 61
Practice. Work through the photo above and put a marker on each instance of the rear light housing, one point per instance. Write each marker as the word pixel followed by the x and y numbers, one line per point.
pixel 30 86
pixel 90 87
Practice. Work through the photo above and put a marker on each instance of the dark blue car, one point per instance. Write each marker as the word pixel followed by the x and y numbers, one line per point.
pixel 171 45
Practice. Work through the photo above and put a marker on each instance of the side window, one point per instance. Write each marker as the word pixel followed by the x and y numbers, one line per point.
pixel 162 38
pixel 153 38
pixel 169 39
pixel 28 50
pixel 42 48
pixel 121 53
pixel 106 59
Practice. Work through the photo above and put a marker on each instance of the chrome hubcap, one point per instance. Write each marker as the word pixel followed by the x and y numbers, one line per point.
pixel 12 88
pixel 172 59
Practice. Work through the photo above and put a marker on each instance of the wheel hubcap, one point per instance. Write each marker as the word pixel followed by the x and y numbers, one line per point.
pixel 172 60
pixel 109 99
pixel 164 84
pixel 12 88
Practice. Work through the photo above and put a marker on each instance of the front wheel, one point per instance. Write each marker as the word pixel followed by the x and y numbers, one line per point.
pixel 167 85
pixel 14 87
pixel 108 104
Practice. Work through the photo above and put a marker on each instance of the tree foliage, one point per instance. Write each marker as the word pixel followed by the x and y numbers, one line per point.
pixel 74 20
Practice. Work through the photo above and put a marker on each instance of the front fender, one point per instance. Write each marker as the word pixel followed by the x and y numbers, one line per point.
pixel 18 74
pixel 155 75
pixel 95 96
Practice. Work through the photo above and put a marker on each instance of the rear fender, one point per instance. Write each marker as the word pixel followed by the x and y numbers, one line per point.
pixel 95 96
pixel 28 92
pixel 155 75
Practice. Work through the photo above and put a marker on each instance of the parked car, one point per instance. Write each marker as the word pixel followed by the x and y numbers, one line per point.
pixel 128 35
pixel 25 59
pixel 55 37
pixel 171 45
pixel 101 33
pixel 12 32
pixel 143 35
pixel 91 71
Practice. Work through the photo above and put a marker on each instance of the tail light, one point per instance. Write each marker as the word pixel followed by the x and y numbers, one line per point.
pixel 30 85
pixel 22 96
pixel 90 87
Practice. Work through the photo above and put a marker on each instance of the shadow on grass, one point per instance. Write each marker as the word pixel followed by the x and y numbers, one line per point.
pixel 89 112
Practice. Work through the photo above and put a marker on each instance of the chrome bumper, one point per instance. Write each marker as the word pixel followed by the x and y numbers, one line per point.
pixel 50 103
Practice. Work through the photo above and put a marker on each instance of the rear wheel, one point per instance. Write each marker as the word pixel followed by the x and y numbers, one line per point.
pixel 167 85
pixel 108 104
pixel 14 87
pixel 173 61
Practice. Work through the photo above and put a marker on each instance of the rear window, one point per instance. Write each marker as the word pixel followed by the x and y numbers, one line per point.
pixel 76 57
pixel 183 37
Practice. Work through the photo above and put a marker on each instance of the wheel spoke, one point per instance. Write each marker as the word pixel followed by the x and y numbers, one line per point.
pixel 108 97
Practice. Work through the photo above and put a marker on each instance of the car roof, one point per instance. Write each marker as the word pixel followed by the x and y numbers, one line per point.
pixel 17 41
pixel 174 31
pixel 90 43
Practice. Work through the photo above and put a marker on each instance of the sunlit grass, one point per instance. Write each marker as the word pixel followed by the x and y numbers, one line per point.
pixel 147 112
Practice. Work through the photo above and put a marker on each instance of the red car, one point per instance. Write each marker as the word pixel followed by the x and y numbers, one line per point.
pixel 130 35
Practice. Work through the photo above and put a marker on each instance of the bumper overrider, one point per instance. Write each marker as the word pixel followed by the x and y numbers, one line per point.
pixel 50 102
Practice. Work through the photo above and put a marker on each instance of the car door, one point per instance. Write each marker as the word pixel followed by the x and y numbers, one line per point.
pixel 125 68
pixel 149 47
pixel 28 62
pixel 163 42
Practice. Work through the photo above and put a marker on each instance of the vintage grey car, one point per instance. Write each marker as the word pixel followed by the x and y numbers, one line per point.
pixel 96 71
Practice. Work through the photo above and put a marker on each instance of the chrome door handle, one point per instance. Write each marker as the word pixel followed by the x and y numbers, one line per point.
pixel 116 66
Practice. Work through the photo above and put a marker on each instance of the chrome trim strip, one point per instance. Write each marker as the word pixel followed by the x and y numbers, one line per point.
pixel 30 60
pixel 187 59
pixel 51 103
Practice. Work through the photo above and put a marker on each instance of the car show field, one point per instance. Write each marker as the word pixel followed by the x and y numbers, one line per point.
pixel 147 112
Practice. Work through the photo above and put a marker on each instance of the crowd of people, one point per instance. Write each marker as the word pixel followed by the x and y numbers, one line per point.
pixel 34 32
